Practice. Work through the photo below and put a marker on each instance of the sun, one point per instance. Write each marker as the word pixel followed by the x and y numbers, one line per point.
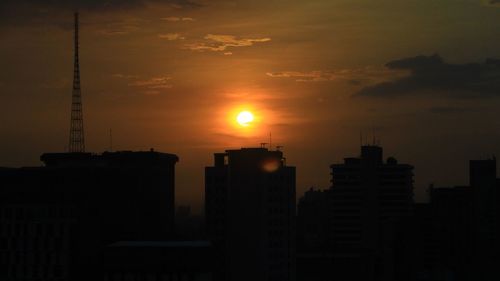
pixel 244 118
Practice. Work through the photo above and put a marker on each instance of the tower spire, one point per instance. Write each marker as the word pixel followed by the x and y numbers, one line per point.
pixel 76 134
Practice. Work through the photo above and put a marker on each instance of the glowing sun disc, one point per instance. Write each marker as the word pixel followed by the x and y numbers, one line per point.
pixel 244 118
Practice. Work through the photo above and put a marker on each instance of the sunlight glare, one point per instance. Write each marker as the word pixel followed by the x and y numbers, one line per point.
pixel 244 118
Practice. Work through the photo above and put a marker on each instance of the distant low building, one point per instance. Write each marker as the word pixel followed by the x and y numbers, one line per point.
pixel 56 219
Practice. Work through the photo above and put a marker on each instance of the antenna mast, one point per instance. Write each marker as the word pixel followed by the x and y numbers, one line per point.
pixel 76 134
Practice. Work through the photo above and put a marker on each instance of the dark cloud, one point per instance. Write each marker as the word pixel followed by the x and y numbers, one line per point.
pixel 451 110
pixel 491 3
pixel 90 4
pixel 432 75
pixel 17 12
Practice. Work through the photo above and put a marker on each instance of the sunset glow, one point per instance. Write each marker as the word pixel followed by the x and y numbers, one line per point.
pixel 178 75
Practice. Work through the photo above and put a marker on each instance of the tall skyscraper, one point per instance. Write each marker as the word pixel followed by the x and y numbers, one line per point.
pixel 250 211
pixel 76 133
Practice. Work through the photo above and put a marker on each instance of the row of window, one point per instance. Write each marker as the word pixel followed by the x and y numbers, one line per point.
pixel 16 212
pixel 29 272
pixel 133 276
pixel 34 229
pixel 35 244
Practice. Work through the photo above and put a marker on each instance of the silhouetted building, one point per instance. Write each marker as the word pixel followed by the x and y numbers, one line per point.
pixel 457 232
pixel 250 212
pixel 56 219
pixel 486 188
pixel 443 234
pixel 158 261
pixel 363 218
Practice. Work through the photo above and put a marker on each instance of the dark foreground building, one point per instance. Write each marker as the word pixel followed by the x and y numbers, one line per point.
pixel 56 220
pixel 353 231
pixel 250 212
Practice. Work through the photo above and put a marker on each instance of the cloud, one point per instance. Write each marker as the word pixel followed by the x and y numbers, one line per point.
pixel 123 27
pixel 124 76
pixel 149 86
pixel 450 110
pixel 16 12
pixel 171 36
pixel 158 82
pixel 370 74
pixel 493 3
pixel 431 74
pixel 219 43
pixel 93 4
pixel 174 19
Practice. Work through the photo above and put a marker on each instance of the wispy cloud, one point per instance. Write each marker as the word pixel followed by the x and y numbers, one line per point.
pixel 171 36
pixel 219 43
pixel 370 74
pixel 148 86
pixel 452 109
pixel 159 82
pixel 175 19
pixel 124 76
pixel 123 27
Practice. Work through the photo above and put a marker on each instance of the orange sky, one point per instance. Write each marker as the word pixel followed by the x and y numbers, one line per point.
pixel 172 74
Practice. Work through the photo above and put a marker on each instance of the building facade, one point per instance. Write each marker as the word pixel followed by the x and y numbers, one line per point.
pixel 56 219
pixel 250 212
pixel 361 217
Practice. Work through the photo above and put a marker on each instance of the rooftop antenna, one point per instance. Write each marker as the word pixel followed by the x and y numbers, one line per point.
pixel 270 140
pixel 110 140
pixel 263 144
pixel 374 142
pixel 76 134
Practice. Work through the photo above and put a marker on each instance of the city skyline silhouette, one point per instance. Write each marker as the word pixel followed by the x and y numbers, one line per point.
pixel 218 140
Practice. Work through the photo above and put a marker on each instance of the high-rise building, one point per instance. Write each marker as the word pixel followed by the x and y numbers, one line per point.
pixel 55 220
pixel 250 212
pixel 361 217
pixel 367 193
pixel 443 234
